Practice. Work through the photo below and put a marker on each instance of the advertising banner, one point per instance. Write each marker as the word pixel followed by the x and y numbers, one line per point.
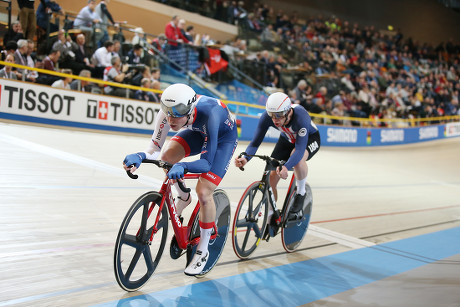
pixel 47 105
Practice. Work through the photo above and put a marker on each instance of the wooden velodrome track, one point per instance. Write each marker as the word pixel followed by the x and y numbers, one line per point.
pixel 63 195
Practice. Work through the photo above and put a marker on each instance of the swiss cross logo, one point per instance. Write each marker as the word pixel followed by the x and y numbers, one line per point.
pixel 103 110
pixel 97 109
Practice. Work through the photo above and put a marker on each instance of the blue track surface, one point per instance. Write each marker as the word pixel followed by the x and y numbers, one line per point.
pixel 307 281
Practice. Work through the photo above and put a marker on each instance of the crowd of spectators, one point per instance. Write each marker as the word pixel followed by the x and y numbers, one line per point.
pixel 345 69
pixel 338 68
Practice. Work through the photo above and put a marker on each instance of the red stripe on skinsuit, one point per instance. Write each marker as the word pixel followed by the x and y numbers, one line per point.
pixel 183 143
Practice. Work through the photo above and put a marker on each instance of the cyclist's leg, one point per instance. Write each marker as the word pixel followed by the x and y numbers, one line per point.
pixel 183 144
pixel 301 172
pixel 206 185
pixel 282 151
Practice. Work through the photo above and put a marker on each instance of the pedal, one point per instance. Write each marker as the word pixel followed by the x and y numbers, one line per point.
pixel 266 235
pixel 174 250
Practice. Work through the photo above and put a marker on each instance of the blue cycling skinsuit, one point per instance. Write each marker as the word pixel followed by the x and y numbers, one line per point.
pixel 212 133
pixel 300 133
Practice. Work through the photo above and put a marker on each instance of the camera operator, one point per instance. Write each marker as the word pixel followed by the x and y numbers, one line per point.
pixel 140 71
pixel 117 73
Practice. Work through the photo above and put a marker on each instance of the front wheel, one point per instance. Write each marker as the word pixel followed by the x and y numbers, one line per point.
pixel 140 242
pixel 250 220
pixel 293 232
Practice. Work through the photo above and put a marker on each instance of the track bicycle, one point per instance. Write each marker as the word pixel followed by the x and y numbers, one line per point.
pixel 251 225
pixel 143 233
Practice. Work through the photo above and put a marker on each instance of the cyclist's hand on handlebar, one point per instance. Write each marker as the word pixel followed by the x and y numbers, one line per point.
pixel 177 171
pixel 133 161
pixel 282 171
pixel 240 161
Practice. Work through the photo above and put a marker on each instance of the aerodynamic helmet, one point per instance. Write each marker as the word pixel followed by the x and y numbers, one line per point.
pixel 178 100
pixel 278 105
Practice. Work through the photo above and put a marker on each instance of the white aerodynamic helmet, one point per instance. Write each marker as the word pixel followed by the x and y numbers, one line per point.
pixel 178 100
pixel 278 105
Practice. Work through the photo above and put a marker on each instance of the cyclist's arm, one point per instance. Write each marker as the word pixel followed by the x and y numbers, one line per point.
pixel 158 136
pixel 261 130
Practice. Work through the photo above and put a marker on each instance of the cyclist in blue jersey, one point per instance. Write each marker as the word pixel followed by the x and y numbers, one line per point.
pixel 299 142
pixel 209 130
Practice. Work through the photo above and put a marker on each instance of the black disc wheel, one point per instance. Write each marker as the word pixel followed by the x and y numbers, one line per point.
pixel 293 232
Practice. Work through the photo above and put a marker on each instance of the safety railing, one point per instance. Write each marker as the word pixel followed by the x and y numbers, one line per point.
pixel 92 80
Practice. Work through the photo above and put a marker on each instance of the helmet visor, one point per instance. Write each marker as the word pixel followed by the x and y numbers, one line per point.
pixel 277 114
pixel 176 111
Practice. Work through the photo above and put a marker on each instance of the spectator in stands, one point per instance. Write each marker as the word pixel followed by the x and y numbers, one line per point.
pixel 20 57
pixel 181 26
pixel 10 48
pixel 269 37
pixel 173 34
pixel 81 59
pixel 190 33
pixel 15 33
pixel 49 63
pixel 102 58
pixel 155 74
pixel 301 94
pixel 31 62
pixel 159 42
pixel 27 18
pixel 83 85
pixel 65 45
pixel 338 110
pixel 134 55
pixel 139 38
pixel 44 11
pixel 86 21
pixel 64 82
pixel 118 34
pixel 321 96
pixel 139 74
pixel 103 12
pixel 156 85
pixel 114 73
pixel 145 95
pixel 7 71
pixel 117 50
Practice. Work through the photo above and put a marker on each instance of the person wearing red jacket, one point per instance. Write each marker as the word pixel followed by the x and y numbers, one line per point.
pixel 174 34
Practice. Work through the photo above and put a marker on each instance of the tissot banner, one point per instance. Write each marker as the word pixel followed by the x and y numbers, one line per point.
pixel 42 104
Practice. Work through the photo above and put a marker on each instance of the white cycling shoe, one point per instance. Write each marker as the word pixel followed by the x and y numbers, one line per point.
pixel 197 264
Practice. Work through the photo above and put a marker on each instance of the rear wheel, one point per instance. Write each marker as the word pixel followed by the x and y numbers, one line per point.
pixel 140 242
pixel 250 220
pixel 216 246
pixel 294 231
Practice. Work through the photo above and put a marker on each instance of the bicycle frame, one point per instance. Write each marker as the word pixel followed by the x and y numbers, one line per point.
pixel 182 232
pixel 271 197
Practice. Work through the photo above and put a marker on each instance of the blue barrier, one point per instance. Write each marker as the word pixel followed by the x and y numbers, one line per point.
pixel 355 136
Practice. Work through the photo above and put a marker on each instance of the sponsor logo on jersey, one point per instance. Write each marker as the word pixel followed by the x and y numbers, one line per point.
pixel 303 132
pixel 313 147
